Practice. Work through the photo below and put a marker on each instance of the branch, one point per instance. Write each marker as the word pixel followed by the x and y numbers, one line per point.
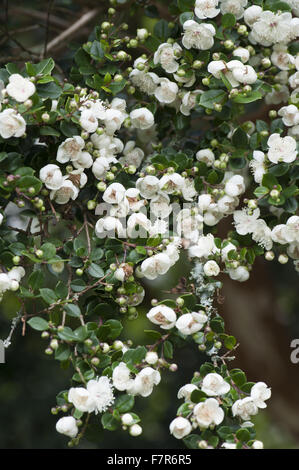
pixel 72 29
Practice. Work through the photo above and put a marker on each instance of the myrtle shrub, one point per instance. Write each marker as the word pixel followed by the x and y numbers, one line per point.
pixel 141 152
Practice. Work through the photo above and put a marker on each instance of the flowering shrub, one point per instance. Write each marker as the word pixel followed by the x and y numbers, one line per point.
pixel 105 177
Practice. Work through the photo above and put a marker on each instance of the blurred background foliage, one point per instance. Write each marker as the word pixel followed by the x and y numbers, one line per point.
pixel 262 313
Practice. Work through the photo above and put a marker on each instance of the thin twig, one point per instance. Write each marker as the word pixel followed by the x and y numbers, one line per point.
pixel 59 40
pixel 50 4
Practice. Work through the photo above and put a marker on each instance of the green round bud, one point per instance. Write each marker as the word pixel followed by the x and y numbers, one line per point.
pixel 102 186
pixel 79 272
pixel 110 176
pixel 48 351
pixel 197 64
pixel 133 43
pixel 121 55
pixel 39 253
pixel 95 361
pixel 16 259
pixel 91 205
pixel 206 81
pixel 105 26
pixel 45 117
pixel 109 288
pixel 45 334
pixel 54 344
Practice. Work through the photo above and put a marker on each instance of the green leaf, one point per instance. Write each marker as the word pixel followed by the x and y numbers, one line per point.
pixel 67 334
pixel 209 98
pixel 27 181
pixel 185 5
pixel 109 422
pixel 63 352
pixel 38 323
pixel 72 310
pixel 95 271
pixel 248 97
pixel 230 342
pixel 240 139
pixel 168 350
pixel 49 250
pixel 161 30
pixel 269 180
pixel 115 328
pixel 134 356
pixel 48 295
pixel 124 403
pixel 47 130
pixel 197 395
pixel 228 20
pixel 192 441
pixel 261 191
pixel 243 435
pixel 49 90
pixel 36 279
pixel 238 377
pixel 96 50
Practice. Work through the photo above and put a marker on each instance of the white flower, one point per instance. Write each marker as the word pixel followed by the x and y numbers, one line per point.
pixel 257 445
pixel 67 426
pixel 145 381
pixel 142 118
pixel 229 445
pixel 208 413
pixel 188 189
pixel 84 160
pixel 180 427
pixel 206 156
pixel 206 9
pixel 236 7
pixel 70 149
pixel 171 182
pixel 257 165
pixel 20 88
pixel 127 419
pixel 281 149
pixel 290 115
pixel 204 201
pixel 135 430
pixel 12 124
pixel 190 323
pixel 214 384
pixel 189 101
pixel 167 91
pixel 5 282
pixel 278 96
pixel 259 393
pixel 211 268
pixel 113 120
pixel 167 55
pixel 66 192
pixel 240 274
pixel 97 108
pixel 227 204
pixel 142 33
pixel 16 273
pixel 147 82
pixel 281 58
pixel 235 186
pixel 163 316
pixel 114 194
pixel 138 219
pixel 160 205
pixel 199 36
pixel 245 74
pixel 1 218
pixel 204 247
pixel 262 234
pixel 271 28
pixel 109 224
pixel 51 176
pixel 100 166
pixel 188 225
pixel 148 186
pixel 151 357
pixel 101 393
pixel 186 391
pixel 121 377
pixel 245 408
pixel 88 121
pixel 156 265
pixel 226 249
pixel 132 155
pixel 81 399
pixel 242 53
pixel 252 14
pixel 245 222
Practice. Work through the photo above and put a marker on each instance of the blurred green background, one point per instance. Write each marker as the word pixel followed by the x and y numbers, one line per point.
pixel 262 314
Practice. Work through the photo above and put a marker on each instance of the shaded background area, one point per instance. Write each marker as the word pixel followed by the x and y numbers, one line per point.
pixel 262 313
